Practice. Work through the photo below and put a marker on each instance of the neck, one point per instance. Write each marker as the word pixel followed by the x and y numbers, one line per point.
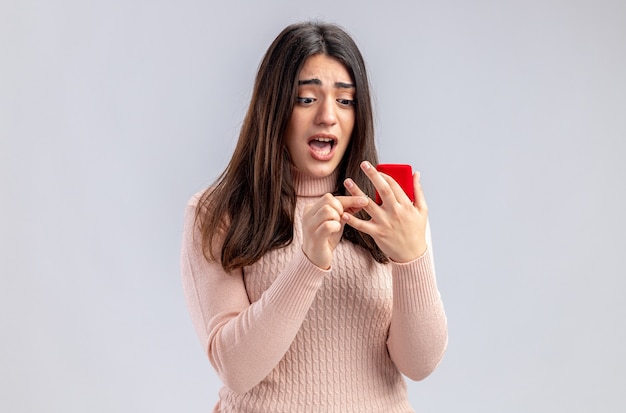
pixel 306 185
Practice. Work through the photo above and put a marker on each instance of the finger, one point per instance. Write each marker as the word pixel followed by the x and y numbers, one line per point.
pixel 329 227
pixel 340 204
pixel 384 190
pixel 328 200
pixel 353 188
pixel 327 213
pixel 370 206
pixel 397 190
pixel 352 203
pixel 361 225
pixel 420 200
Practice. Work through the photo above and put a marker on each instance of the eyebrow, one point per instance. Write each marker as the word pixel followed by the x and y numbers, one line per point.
pixel 340 85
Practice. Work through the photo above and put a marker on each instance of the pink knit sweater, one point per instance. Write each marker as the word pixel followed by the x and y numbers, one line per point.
pixel 287 336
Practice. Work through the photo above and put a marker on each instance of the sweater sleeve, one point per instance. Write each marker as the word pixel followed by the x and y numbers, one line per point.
pixel 418 334
pixel 243 341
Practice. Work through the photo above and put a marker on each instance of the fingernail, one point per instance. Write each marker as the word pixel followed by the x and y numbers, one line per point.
pixel 366 165
pixel 362 200
pixel 348 183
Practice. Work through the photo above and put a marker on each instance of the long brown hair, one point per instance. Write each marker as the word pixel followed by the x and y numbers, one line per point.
pixel 250 209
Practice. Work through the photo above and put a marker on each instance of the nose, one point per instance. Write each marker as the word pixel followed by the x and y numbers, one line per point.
pixel 326 114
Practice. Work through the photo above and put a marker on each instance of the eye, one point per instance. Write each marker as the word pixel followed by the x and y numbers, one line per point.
pixel 346 102
pixel 304 100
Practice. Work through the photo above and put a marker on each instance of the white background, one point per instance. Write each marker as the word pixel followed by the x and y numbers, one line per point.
pixel 112 114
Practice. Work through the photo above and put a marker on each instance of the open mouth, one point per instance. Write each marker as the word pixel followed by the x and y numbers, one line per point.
pixel 322 146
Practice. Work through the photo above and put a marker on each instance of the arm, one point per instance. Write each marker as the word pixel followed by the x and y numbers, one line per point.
pixel 418 335
pixel 418 332
pixel 244 341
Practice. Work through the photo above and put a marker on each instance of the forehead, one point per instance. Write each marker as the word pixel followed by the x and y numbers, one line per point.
pixel 324 67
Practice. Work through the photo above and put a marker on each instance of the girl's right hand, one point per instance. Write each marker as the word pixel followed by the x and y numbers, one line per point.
pixel 322 226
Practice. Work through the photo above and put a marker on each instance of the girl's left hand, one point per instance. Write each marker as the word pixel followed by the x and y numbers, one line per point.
pixel 397 225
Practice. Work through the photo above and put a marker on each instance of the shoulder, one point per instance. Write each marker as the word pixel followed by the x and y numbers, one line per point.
pixel 202 207
pixel 200 198
pixel 194 201
pixel 196 207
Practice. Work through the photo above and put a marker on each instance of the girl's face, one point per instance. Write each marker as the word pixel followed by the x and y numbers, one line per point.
pixel 322 120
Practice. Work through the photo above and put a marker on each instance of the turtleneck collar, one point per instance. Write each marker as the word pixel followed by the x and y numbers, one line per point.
pixel 308 186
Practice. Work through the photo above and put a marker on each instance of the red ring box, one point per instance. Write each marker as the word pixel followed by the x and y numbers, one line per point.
pixel 402 174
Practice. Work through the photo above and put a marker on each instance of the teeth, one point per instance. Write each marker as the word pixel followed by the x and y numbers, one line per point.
pixel 324 145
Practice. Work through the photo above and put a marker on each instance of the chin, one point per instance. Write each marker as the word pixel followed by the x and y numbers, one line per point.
pixel 321 171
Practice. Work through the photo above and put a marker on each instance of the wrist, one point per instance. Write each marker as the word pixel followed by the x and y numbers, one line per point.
pixel 405 258
pixel 319 262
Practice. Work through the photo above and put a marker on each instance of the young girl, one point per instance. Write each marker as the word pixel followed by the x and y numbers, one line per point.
pixel 307 295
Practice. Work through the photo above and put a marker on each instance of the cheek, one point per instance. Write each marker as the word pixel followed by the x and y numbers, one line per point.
pixel 293 127
pixel 293 146
pixel 348 118
pixel 347 131
pixel 348 124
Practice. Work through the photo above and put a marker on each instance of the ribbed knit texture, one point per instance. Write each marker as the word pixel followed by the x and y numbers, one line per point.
pixel 309 340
